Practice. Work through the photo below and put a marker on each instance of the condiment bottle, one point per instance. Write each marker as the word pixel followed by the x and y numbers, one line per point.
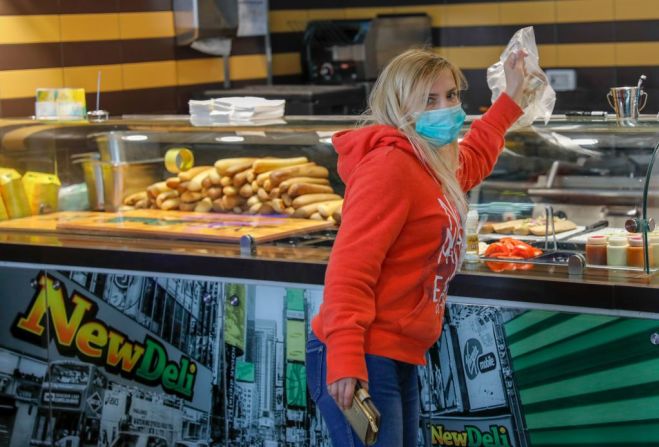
pixel 471 230
pixel 635 251
pixel 653 248
pixel 596 250
pixel 616 251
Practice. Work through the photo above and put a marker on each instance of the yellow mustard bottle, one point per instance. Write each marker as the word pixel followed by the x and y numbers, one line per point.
pixel 13 193
pixel 42 190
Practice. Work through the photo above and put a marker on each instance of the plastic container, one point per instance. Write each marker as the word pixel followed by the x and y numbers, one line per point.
pixel 635 251
pixel 596 250
pixel 471 231
pixel 653 248
pixel 616 251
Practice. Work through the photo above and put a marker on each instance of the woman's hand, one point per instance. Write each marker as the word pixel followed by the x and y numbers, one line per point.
pixel 343 389
pixel 515 71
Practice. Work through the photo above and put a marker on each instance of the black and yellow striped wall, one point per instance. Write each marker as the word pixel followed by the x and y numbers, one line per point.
pixel 63 43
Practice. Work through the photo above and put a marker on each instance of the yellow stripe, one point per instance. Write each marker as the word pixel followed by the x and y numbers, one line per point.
pixel 631 54
pixel 79 27
pixel 512 13
pixel 286 64
pixel 85 77
pixel 636 9
pixel 29 29
pixel 585 55
pixel 471 57
pixel 486 14
pixel 248 67
pixel 470 15
pixel 200 71
pixel 287 21
pixel 24 83
pixel 149 74
pixel 85 27
pixel 577 10
pixel 146 25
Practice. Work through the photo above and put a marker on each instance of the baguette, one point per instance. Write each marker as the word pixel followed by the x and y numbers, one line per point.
pixel 298 189
pixel 191 197
pixel 187 206
pixel 327 209
pixel 215 177
pixel 238 167
pixel 134 198
pixel 270 164
pixel 304 170
pixel 163 196
pixel 241 178
pixel 170 204
pixel 304 212
pixel 182 187
pixel 246 191
pixel 188 175
pixel 278 205
pixel 309 180
pixel 204 205
pixel 560 225
pixel 307 199
pixel 507 227
pixel 224 164
pixel 263 195
pixel 316 216
pixel 156 188
pixel 214 192
pixel 196 183
pixel 172 182
pixel 253 200
pixel 229 191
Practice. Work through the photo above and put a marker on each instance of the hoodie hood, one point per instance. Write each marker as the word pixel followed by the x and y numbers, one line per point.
pixel 353 145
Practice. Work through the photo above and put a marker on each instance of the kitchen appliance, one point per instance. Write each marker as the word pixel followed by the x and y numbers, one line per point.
pixel 346 51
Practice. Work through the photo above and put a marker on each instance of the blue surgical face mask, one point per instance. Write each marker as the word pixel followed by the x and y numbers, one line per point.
pixel 441 126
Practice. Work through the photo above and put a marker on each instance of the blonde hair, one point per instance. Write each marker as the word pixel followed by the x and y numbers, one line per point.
pixel 400 94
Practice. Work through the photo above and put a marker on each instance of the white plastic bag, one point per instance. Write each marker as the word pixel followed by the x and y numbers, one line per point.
pixel 539 97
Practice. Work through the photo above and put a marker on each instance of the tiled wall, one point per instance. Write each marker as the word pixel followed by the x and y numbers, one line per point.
pixel 56 43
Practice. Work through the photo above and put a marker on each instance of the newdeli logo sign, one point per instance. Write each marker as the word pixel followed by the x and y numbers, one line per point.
pixel 472 436
pixel 77 332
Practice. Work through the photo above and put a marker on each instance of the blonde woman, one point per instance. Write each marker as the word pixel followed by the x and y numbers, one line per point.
pixel 400 239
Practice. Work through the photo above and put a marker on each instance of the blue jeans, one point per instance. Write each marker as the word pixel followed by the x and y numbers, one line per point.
pixel 393 385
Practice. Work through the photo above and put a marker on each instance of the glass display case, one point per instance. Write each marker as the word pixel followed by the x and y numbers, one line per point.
pixel 554 186
pixel 177 340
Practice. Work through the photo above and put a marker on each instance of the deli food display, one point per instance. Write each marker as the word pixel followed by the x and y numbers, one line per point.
pixel 246 185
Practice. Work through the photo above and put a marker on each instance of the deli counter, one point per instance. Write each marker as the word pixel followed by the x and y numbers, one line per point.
pixel 136 237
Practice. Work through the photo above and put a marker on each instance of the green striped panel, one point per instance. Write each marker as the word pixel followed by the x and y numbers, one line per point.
pixel 570 326
pixel 586 379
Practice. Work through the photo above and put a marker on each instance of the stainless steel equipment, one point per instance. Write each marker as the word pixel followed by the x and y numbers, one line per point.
pixel 338 51
pixel 201 19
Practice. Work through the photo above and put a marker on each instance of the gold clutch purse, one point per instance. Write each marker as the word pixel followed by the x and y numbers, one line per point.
pixel 363 416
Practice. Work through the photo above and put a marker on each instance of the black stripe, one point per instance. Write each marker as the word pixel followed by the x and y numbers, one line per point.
pixel 144 5
pixel 25 7
pixel 38 7
pixel 106 52
pixel 240 46
pixel 27 56
pixel 305 4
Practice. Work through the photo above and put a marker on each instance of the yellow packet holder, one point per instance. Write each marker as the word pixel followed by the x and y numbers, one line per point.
pixel 13 194
pixel 3 210
pixel 42 190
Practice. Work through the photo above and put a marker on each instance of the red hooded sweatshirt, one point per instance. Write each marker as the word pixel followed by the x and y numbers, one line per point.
pixel 399 244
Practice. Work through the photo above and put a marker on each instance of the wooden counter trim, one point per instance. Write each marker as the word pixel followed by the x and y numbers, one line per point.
pixel 539 287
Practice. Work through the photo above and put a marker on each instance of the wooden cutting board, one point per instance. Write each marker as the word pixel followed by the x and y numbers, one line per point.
pixel 46 222
pixel 192 226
